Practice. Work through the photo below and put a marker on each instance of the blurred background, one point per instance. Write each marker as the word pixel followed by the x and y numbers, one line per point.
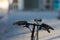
pixel 14 10
pixel 30 4
pixel 35 4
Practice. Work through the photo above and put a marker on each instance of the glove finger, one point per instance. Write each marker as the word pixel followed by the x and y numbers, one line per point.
pixel 48 30
pixel 51 28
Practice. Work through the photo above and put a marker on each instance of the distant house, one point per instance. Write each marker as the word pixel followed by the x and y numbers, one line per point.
pixel 33 4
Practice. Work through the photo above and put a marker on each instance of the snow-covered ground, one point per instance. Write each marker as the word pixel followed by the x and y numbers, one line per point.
pixel 20 33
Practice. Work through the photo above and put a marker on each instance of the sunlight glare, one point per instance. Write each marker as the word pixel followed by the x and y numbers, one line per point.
pixel 4 4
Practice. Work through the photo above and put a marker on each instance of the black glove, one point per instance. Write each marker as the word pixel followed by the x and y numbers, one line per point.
pixel 20 23
pixel 46 27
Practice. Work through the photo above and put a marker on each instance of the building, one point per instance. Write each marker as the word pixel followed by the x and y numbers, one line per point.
pixel 17 4
pixel 34 4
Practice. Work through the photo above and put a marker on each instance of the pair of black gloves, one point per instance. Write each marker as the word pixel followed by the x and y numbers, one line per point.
pixel 42 26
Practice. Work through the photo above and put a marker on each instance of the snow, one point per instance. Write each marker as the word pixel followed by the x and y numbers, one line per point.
pixel 20 33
